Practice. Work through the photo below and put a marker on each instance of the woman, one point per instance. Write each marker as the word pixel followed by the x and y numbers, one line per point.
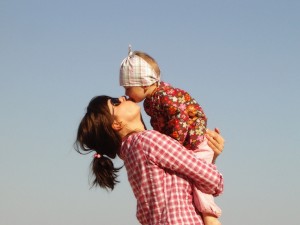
pixel 160 170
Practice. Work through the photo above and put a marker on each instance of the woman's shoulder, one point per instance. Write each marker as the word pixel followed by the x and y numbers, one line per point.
pixel 142 134
pixel 147 136
pixel 152 133
pixel 154 138
pixel 141 140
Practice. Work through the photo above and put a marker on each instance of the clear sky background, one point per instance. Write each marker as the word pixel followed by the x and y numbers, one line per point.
pixel 240 59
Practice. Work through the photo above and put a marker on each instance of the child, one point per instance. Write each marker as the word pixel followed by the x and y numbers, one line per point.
pixel 173 112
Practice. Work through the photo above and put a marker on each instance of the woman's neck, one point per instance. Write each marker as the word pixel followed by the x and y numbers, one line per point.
pixel 127 130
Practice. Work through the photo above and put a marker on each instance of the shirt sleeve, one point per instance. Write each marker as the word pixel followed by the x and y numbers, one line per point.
pixel 169 154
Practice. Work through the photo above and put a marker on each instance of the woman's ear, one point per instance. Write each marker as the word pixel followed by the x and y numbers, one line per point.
pixel 117 125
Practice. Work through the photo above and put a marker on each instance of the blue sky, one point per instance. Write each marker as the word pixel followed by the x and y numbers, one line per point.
pixel 239 59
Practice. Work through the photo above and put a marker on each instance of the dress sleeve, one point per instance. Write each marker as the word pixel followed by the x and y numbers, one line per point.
pixel 169 154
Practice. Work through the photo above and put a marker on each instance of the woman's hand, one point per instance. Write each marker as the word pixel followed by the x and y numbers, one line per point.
pixel 215 141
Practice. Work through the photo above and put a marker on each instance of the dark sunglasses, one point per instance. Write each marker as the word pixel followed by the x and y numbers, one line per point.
pixel 115 101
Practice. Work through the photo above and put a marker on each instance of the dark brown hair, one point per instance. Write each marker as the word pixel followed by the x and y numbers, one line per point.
pixel 95 133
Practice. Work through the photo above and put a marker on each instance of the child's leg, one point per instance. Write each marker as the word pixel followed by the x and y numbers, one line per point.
pixel 204 152
pixel 204 202
pixel 206 205
pixel 210 220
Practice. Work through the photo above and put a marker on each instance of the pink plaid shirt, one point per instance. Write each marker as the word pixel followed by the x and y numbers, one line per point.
pixel 160 172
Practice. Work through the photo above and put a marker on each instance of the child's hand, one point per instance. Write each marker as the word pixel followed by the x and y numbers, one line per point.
pixel 215 141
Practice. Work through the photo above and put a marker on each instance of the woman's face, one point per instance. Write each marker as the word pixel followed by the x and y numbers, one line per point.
pixel 124 110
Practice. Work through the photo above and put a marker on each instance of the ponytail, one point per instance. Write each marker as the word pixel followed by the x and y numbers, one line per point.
pixel 104 173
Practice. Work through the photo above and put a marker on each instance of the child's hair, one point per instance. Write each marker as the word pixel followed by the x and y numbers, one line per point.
pixel 151 61
pixel 95 133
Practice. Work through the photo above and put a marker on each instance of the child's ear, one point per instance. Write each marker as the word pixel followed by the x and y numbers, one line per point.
pixel 117 125
pixel 149 89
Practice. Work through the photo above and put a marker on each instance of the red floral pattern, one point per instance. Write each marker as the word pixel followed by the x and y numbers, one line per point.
pixel 175 113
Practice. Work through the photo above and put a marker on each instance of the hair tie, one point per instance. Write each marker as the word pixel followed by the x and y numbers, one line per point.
pixel 97 155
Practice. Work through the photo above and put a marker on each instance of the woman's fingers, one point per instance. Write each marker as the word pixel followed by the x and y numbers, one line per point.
pixel 215 141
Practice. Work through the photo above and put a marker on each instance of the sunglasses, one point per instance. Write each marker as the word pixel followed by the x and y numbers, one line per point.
pixel 115 101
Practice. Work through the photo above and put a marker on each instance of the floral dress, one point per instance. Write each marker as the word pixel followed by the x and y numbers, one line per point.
pixel 175 113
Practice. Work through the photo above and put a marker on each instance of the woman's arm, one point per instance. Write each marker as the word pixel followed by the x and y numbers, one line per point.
pixel 169 154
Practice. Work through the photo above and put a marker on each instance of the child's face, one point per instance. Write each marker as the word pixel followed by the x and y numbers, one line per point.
pixel 136 94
